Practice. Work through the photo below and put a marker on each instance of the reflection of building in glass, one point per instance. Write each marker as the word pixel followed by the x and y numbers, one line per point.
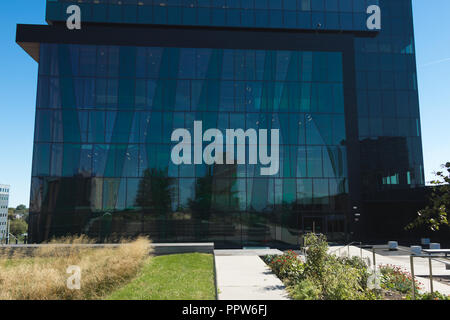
pixel 391 154
pixel 4 200
pixel 110 96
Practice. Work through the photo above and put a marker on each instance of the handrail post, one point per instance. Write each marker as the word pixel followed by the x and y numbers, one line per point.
pixel 412 277
pixel 374 260
pixel 360 249
pixel 431 275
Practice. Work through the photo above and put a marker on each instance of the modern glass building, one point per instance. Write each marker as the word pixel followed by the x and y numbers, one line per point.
pixel 4 200
pixel 343 97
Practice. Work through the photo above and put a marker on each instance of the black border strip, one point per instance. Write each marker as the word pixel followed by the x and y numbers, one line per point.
pixel 183 37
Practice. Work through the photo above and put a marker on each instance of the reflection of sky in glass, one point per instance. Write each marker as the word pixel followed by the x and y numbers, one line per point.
pixel 295 14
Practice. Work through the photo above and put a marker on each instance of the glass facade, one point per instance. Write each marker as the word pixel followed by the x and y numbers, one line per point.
pixel 345 105
pixel 105 116
pixel 388 105
pixel 349 15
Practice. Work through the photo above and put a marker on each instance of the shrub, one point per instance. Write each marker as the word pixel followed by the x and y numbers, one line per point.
pixel 341 281
pixel 433 296
pixel 396 279
pixel 322 276
pixel 339 278
pixel 307 289
pixel 316 255
pixel 287 267
pixel 268 258
pixel 359 264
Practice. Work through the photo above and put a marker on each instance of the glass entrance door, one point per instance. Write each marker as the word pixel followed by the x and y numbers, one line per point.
pixel 314 224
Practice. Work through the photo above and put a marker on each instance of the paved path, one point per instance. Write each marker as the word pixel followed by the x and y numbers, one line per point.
pixel 242 275
pixel 397 258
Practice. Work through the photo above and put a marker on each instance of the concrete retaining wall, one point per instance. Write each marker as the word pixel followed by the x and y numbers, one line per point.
pixel 158 248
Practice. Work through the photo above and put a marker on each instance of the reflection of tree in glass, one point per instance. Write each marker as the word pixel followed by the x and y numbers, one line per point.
pixel 201 205
pixel 215 194
pixel 154 193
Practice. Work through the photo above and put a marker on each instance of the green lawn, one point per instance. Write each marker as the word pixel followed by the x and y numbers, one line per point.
pixel 172 277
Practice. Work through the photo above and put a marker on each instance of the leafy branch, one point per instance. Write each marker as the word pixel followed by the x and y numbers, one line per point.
pixel 435 215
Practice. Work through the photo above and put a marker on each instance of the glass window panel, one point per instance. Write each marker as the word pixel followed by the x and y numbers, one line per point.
pixel 96 127
pixel 321 192
pixel 140 96
pixel 183 95
pixel 130 168
pixel 187 64
pixel 314 161
pixel 204 16
pixel 304 191
pixel 227 96
pixel 338 98
pixel 261 17
pixel 301 162
pixel 44 125
pixel 100 153
pixel 339 132
pixel 71 160
pixel 56 160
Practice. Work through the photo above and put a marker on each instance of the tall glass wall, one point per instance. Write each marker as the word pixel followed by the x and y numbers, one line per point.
pixel 290 14
pixel 388 105
pixel 105 115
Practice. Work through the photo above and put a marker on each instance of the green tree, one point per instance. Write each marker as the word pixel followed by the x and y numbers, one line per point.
pixel 26 216
pixel 435 215
pixel 11 215
pixel 317 254
pixel 21 207
pixel 18 227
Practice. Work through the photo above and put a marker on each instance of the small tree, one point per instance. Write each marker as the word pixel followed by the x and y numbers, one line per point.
pixel 21 207
pixel 18 227
pixel 435 215
pixel 316 253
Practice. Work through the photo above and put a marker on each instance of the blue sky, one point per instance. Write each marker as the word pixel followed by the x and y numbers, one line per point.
pixel 18 79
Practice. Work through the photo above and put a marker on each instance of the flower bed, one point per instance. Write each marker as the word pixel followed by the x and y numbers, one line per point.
pixel 322 276
pixel 326 277
pixel 288 267
pixel 397 279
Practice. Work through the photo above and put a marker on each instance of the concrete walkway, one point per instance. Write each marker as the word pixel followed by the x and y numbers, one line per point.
pixel 401 259
pixel 242 275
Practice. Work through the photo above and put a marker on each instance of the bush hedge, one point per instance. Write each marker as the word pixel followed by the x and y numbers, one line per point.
pixel 324 276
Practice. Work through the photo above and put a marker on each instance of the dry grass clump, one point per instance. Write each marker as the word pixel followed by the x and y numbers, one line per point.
pixel 44 275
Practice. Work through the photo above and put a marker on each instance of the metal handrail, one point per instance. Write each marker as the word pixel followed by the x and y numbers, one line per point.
pixel 412 256
pixel 6 239
pixel 348 246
